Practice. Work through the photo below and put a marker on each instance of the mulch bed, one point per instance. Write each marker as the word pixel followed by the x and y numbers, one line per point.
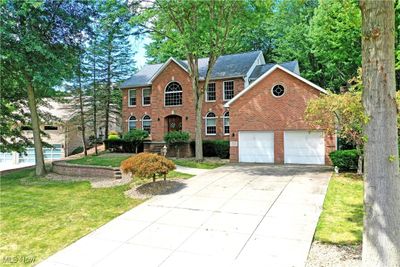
pixel 156 188
pixel 323 255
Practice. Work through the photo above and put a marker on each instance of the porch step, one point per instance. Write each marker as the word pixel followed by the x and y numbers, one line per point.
pixel 117 173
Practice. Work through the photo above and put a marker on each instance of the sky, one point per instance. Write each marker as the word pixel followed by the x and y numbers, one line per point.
pixel 140 55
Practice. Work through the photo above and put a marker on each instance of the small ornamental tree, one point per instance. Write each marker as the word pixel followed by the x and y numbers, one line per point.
pixel 136 136
pixel 177 139
pixel 148 165
pixel 343 114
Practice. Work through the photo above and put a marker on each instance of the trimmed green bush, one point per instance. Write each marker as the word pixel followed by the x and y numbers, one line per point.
pixel 176 137
pixel 346 160
pixel 221 148
pixel 135 137
pixel 113 137
pixel 214 148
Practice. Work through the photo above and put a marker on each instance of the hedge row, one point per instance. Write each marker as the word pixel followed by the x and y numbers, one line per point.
pixel 214 148
pixel 122 146
pixel 346 160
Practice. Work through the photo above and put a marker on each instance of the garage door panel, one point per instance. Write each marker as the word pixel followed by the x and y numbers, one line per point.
pixel 304 147
pixel 256 147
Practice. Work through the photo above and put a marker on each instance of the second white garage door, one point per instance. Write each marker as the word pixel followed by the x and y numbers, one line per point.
pixel 256 147
pixel 303 147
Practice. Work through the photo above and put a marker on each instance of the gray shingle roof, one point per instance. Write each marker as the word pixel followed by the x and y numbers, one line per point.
pixel 142 77
pixel 259 70
pixel 235 65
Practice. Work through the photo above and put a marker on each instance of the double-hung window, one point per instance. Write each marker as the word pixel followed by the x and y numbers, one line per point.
pixel 146 123
pixel 146 96
pixel 211 93
pixel 229 90
pixel 132 123
pixel 211 123
pixel 132 97
pixel 226 123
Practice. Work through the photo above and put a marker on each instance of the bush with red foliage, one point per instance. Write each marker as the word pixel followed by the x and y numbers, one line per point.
pixel 148 165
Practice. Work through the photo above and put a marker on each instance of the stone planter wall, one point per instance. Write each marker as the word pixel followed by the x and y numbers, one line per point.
pixel 64 168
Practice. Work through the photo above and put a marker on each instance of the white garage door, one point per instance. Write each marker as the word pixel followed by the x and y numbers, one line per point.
pixel 256 147
pixel 304 147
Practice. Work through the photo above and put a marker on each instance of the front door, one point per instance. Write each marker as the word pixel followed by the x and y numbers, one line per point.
pixel 174 123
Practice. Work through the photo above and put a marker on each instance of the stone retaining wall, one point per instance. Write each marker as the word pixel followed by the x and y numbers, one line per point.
pixel 64 168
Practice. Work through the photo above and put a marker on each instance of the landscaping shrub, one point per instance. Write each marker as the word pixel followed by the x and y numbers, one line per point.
pixel 177 139
pixel 77 150
pixel 113 137
pixel 215 148
pixel 221 148
pixel 148 165
pixel 346 160
pixel 135 137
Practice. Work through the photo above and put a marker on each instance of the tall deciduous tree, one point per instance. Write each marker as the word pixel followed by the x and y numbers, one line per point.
pixel 381 237
pixel 38 38
pixel 199 29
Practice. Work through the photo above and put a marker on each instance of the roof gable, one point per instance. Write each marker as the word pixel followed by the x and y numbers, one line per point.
pixel 276 66
pixel 171 59
pixel 226 66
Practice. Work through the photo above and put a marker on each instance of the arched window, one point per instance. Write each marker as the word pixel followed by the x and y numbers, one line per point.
pixel 173 94
pixel 132 123
pixel 226 122
pixel 146 123
pixel 211 123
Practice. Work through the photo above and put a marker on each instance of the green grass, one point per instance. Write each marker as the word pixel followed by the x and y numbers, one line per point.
pixel 101 160
pixel 197 165
pixel 341 221
pixel 39 217
pixel 179 175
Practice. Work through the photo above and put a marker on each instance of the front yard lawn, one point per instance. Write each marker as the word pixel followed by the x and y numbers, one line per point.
pixel 39 217
pixel 198 165
pixel 341 221
pixel 100 160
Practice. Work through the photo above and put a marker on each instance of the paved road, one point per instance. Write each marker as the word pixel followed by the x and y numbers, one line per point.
pixel 237 215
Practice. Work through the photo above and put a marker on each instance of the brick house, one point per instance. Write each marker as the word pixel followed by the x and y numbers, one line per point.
pixel 259 107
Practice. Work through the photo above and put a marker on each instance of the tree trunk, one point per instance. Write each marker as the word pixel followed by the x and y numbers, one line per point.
pixel 381 236
pixel 360 160
pixel 108 97
pixel 39 159
pixel 81 109
pixel 154 178
pixel 94 102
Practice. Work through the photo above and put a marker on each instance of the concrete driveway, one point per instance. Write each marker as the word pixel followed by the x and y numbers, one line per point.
pixel 237 215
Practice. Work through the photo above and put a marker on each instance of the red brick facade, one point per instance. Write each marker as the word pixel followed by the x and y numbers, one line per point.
pixel 255 110
pixel 259 110
pixel 158 111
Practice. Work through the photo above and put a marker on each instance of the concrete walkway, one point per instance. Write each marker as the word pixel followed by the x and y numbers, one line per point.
pixel 239 215
pixel 192 171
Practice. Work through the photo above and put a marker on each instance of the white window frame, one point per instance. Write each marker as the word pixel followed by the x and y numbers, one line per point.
pixel 165 92
pixel 129 120
pixel 206 94
pixel 205 123
pixel 223 90
pixel 284 90
pixel 129 97
pixel 147 88
pixel 224 117
pixel 146 120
